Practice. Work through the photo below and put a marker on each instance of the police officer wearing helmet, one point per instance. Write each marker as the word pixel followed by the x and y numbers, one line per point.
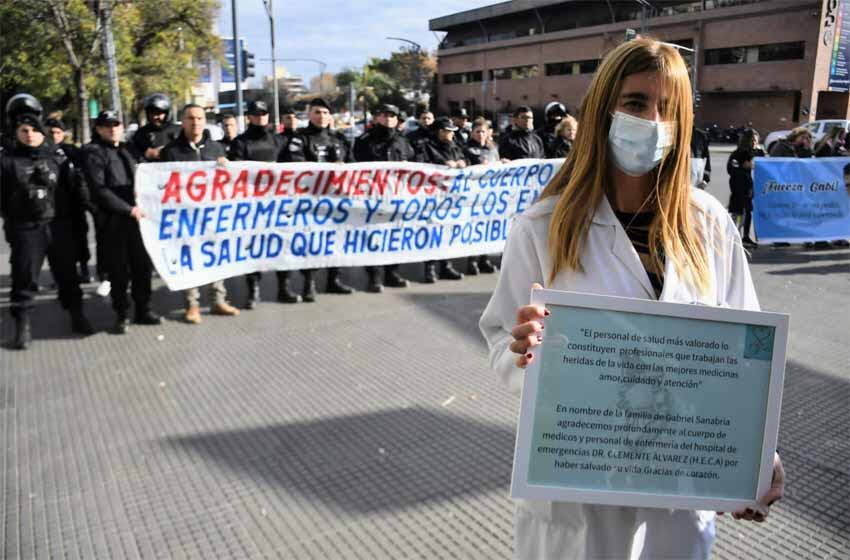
pixel 19 104
pixel 37 199
pixel 260 143
pixel 318 142
pixel 553 115
pixel 383 142
pixel 442 149
pixel 110 166
pixel 149 140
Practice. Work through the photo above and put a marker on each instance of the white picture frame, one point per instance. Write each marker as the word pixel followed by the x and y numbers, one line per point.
pixel 521 488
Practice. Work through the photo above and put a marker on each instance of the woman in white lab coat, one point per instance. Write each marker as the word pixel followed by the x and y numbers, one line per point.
pixel 620 219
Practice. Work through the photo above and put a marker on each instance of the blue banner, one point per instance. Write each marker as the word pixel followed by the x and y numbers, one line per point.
pixel 800 200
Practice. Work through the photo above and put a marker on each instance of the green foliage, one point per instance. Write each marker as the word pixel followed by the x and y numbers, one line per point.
pixel 155 42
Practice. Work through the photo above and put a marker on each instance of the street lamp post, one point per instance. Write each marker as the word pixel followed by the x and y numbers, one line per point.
pixel 237 59
pixel 417 50
pixel 269 4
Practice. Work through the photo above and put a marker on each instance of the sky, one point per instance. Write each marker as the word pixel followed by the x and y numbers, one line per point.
pixel 341 33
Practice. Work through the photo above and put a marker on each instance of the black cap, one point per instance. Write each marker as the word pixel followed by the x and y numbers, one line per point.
pixel 319 102
pixel 258 107
pixel 459 112
pixel 54 123
pixel 444 123
pixel 107 117
pixel 389 108
pixel 288 111
pixel 30 119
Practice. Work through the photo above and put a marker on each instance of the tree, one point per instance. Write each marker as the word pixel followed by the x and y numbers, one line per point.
pixel 54 40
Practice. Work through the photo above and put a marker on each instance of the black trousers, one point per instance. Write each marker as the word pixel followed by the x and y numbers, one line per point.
pixel 128 263
pixel 80 223
pixel 31 243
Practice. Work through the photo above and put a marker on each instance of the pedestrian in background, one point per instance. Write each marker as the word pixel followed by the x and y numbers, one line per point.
pixel 481 150
pixel 553 115
pixel 149 140
pixel 832 144
pixel 194 144
pixel 562 142
pixel 797 144
pixel 740 169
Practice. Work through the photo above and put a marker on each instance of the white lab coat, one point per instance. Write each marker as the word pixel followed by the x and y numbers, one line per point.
pixel 549 530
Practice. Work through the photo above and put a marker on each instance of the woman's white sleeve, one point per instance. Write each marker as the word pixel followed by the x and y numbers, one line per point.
pixel 520 268
pixel 740 291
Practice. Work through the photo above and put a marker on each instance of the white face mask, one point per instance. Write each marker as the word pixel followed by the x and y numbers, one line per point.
pixel 637 145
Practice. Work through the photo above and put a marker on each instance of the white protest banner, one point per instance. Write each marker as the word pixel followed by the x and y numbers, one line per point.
pixel 207 221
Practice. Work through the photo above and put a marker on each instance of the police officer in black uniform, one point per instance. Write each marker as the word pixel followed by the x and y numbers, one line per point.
pixel 442 149
pixel 37 199
pixel 318 142
pixel 383 142
pixel 699 150
pixel 289 120
pixel 56 131
pixel 460 118
pixel 260 143
pixel 158 131
pixel 424 132
pixel 522 142
pixel 18 104
pixel 553 115
pixel 110 166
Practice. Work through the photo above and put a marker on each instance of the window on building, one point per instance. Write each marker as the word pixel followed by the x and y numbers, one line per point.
pixel 463 77
pixel 514 73
pixel 452 78
pixel 569 68
pixel 757 53
pixel 782 51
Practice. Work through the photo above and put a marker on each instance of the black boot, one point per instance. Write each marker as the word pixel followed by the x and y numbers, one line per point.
pixel 485 265
pixel 79 323
pixel 335 283
pixel 23 331
pixel 122 324
pixel 430 272
pixel 284 293
pixel 472 266
pixel 393 279
pixel 308 294
pixel 375 285
pixel 253 293
pixel 448 272
pixel 147 317
pixel 85 276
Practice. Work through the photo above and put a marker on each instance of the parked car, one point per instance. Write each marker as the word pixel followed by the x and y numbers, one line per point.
pixel 817 128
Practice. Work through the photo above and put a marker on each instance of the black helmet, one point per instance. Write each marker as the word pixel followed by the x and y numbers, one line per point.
pixel 22 103
pixel 158 102
pixel 555 107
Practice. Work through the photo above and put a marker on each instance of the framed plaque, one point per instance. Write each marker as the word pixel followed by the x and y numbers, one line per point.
pixel 654 404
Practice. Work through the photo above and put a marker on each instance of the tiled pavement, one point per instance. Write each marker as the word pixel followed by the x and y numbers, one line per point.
pixel 358 427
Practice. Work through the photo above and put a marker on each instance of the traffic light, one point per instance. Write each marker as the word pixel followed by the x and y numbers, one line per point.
pixel 248 66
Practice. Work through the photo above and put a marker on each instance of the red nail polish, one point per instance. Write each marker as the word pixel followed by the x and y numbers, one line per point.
pixel 542 327
pixel 529 355
pixel 546 313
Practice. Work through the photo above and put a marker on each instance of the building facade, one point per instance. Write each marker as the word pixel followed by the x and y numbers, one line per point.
pixel 772 63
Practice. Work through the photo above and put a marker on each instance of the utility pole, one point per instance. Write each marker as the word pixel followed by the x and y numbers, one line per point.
pixel 237 59
pixel 270 11
pixel 109 55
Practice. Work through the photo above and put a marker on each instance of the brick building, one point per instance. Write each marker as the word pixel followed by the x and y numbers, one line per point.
pixel 774 63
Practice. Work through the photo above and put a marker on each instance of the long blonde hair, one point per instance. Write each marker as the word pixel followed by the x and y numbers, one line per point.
pixel 580 183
